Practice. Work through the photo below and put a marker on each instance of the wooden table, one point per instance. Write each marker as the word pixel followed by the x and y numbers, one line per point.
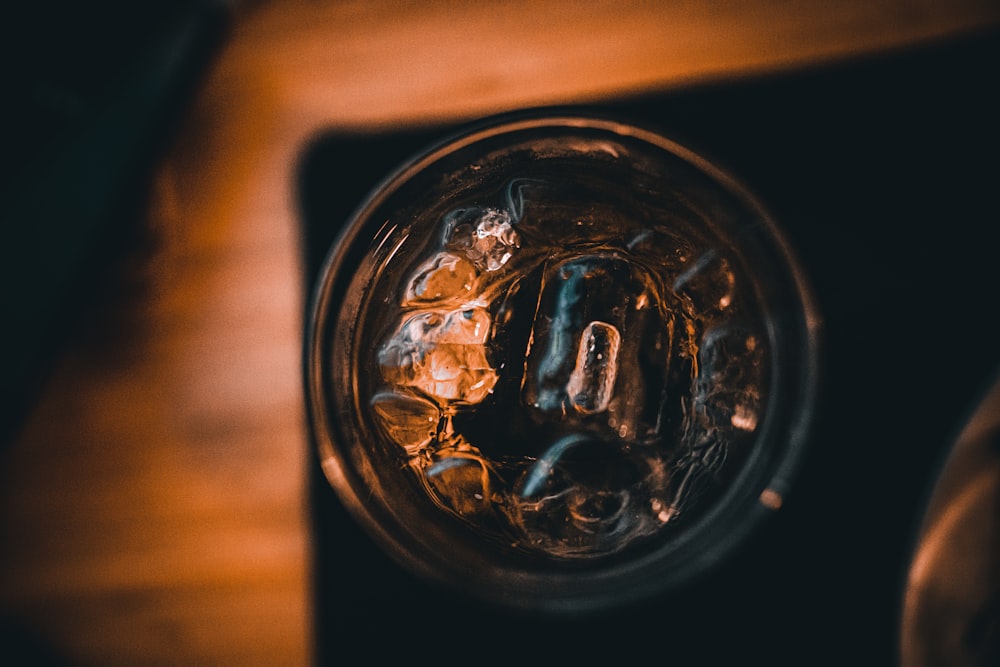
pixel 152 509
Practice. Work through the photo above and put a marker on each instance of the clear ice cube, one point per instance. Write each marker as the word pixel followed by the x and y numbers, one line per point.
pixel 599 344
pixel 444 277
pixel 461 479
pixel 592 381
pixel 409 421
pixel 442 354
pixel 585 494
pixel 485 236
pixel 708 280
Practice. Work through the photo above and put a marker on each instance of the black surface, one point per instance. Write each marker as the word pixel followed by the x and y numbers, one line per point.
pixel 883 174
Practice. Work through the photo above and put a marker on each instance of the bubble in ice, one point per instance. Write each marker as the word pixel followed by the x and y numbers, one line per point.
pixel 565 373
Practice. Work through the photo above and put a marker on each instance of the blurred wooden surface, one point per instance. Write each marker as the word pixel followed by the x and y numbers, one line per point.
pixel 152 509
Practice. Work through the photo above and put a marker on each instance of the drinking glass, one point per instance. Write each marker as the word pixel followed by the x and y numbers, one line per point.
pixel 559 362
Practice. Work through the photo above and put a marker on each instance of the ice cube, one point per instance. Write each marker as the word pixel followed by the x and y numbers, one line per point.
pixel 592 382
pixel 584 494
pixel 709 281
pixel 442 353
pixel 409 421
pixel 486 236
pixel 444 277
pixel 600 318
pixel 461 480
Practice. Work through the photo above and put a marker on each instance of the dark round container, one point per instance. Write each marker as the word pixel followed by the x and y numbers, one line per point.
pixel 560 363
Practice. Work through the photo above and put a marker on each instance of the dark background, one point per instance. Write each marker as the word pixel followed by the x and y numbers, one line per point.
pixel 95 93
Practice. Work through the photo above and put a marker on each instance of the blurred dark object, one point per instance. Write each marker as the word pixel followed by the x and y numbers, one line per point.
pixel 951 614
pixel 881 170
pixel 93 91
pixel 20 647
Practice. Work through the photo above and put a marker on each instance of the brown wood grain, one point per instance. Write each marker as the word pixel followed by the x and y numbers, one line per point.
pixel 152 510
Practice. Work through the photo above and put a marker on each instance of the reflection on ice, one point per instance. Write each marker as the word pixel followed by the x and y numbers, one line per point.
pixel 485 236
pixel 441 354
pixel 409 421
pixel 462 480
pixel 442 277
pixel 592 381
pixel 598 327
pixel 708 281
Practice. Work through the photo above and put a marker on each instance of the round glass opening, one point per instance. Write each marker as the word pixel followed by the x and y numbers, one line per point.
pixel 560 363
